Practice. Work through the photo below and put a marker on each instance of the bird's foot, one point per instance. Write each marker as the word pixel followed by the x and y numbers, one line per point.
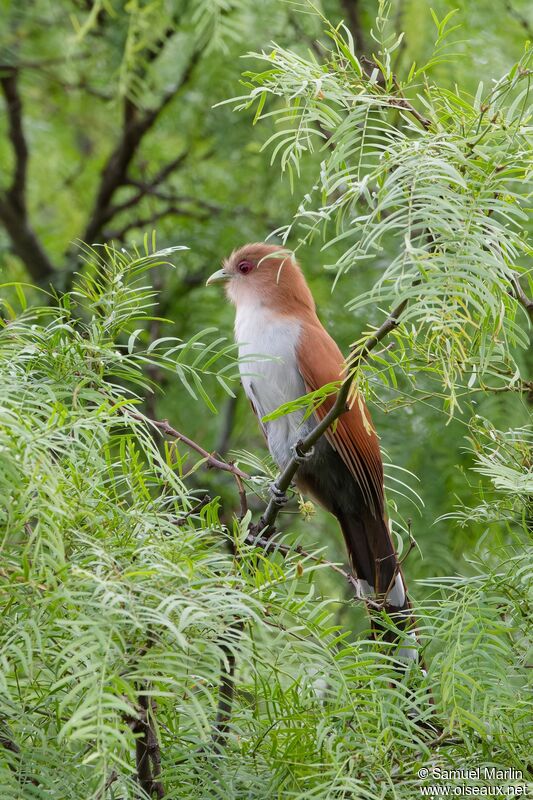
pixel 280 498
pixel 300 458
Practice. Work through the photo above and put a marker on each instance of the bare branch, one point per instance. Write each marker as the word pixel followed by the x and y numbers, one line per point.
pixel 149 188
pixel 13 211
pixel 195 510
pixel 8 743
pixel 522 297
pixel 165 427
pixel 142 222
pixel 25 243
pixel 401 102
pixel 16 194
pixel 242 497
pixel 164 172
pixel 115 172
pixel 147 751
pixel 394 101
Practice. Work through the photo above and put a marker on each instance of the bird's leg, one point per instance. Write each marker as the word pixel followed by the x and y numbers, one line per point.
pixel 300 458
pixel 280 498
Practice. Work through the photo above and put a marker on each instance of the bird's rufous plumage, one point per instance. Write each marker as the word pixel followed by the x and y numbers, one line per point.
pixel 286 352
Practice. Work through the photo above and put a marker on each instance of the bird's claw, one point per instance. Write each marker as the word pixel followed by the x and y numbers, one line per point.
pixel 279 497
pixel 300 458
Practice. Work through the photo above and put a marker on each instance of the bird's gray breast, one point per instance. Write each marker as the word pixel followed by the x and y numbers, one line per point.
pixel 270 375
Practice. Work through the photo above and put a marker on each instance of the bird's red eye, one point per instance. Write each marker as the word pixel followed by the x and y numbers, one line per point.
pixel 244 267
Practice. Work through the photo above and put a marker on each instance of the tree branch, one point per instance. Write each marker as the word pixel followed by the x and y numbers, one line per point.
pixel 147 751
pixel 520 18
pixel 8 743
pixel 522 297
pixel 16 193
pixel 149 188
pixel 115 172
pixel 13 209
pixel 26 244
pixel 162 174
pixel 206 499
pixel 141 222
pixel 165 427
pixel 401 102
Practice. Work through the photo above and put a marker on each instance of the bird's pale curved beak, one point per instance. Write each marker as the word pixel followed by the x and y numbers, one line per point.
pixel 218 277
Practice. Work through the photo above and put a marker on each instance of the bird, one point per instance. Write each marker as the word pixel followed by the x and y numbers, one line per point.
pixel 285 353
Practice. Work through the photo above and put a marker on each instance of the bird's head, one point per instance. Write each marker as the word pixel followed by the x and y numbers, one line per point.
pixel 264 275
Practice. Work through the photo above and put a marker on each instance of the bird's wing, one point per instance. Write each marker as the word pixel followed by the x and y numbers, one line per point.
pixel 353 436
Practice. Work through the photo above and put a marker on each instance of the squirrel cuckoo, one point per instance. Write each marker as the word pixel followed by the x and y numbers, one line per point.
pixel 289 354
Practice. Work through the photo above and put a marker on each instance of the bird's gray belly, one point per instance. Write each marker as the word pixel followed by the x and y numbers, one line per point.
pixel 283 433
pixel 267 393
pixel 270 376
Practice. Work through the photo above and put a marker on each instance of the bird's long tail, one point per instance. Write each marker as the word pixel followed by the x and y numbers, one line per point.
pixel 382 584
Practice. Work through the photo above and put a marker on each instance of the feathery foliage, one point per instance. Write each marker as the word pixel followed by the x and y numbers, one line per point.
pixel 446 188
pixel 129 596
pixel 119 595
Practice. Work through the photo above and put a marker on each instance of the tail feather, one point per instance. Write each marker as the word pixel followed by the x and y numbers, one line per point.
pixel 368 541
pixel 380 578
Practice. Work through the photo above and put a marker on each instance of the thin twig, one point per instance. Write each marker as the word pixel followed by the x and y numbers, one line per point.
pixel 242 497
pixel 110 780
pixel 522 297
pixel 401 102
pixel 198 507
pixel 165 427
